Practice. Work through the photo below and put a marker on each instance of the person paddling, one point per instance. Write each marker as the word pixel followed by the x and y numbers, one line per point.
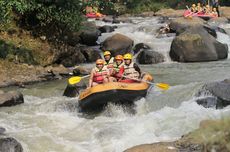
pixel 118 67
pixel 193 8
pixel 108 59
pixel 131 70
pixel 99 74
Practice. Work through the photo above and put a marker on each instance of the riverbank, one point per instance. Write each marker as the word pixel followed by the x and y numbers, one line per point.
pixel 212 135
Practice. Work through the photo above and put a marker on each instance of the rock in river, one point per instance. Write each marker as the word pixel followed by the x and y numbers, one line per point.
pixel 11 98
pixel 10 145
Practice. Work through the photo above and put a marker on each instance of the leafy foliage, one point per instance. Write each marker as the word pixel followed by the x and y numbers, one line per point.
pixel 11 53
pixel 104 6
pixel 42 12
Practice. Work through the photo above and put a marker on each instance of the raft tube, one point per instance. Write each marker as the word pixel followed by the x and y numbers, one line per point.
pixel 97 97
pixel 188 13
pixel 94 15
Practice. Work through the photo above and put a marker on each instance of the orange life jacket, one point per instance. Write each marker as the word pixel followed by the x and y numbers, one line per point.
pixel 130 71
pixel 98 75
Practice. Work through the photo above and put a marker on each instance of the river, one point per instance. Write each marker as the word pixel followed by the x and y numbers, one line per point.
pixel 49 122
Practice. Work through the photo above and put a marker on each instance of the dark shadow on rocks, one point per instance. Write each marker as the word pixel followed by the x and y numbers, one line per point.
pixel 150 57
pixel 11 98
pixel 139 47
pixel 10 145
pixel 220 92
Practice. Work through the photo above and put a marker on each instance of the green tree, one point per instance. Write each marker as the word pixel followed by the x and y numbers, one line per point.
pixel 42 12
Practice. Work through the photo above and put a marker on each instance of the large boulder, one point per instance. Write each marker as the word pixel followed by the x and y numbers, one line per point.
pixel 10 145
pixel 11 98
pixel 217 24
pixel 118 44
pixel 218 21
pixel 181 24
pixel 139 47
pixel 89 36
pixel 72 38
pixel 90 54
pixel 225 12
pixel 170 13
pixel 69 56
pixel 197 45
pixel 107 28
pixel 150 57
pixel 79 70
pixel 220 94
pixel 155 147
pixel 121 19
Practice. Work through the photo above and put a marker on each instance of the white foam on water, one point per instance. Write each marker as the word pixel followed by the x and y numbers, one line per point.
pixel 143 31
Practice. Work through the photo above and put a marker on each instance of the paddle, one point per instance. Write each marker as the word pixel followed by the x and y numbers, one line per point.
pixel 76 79
pixel 163 86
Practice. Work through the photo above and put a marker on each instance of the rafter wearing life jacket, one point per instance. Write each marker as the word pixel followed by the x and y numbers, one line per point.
pixel 131 70
pixel 99 75
pixel 118 67
pixel 108 59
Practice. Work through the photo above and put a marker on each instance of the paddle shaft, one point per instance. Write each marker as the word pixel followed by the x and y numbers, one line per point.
pixel 85 76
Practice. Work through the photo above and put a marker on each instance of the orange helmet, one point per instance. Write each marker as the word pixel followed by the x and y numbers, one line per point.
pixel 119 57
pixel 100 61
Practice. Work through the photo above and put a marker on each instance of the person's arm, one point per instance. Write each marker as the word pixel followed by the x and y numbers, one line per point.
pixel 91 79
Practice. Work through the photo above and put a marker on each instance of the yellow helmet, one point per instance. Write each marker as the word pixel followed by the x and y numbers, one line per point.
pixel 193 5
pixel 128 56
pixel 119 57
pixel 100 61
pixel 107 53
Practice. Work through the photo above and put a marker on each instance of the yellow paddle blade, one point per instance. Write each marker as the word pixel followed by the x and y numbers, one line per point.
pixel 74 80
pixel 163 86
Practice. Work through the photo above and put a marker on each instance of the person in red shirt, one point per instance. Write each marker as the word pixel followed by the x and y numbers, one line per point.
pixel 99 74
pixel 118 67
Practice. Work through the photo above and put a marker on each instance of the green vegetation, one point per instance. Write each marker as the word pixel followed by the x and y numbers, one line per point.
pixel 135 6
pixel 41 12
pixel 12 53
pixel 213 135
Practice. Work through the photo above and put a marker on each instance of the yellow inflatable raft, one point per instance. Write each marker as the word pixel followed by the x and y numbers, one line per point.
pixel 116 92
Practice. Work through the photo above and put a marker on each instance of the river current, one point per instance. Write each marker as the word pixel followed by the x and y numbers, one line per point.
pixel 49 122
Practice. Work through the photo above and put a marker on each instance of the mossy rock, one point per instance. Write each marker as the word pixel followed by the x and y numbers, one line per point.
pixel 11 53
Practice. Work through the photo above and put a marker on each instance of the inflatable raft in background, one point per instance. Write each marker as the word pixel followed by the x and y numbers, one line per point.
pixel 188 13
pixel 97 97
pixel 94 15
